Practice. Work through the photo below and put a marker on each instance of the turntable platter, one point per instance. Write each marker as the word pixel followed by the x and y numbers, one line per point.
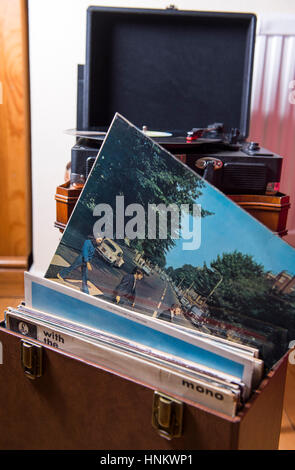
pixel 86 134
pixel 169 139
pixel 157 134
pixel 100 134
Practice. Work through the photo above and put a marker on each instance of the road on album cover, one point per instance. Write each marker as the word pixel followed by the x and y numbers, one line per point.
pixel 153 294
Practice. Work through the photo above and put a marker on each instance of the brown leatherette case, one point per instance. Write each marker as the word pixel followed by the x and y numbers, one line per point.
pixel 78 405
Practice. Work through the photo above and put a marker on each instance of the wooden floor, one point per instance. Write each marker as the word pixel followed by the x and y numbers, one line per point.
pixel 287 439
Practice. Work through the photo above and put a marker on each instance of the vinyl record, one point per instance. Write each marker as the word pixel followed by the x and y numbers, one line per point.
pixel 157 134
pixel 86 134
pixel 100 134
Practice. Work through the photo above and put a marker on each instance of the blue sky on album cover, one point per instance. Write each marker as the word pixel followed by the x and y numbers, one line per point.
pixel 221 235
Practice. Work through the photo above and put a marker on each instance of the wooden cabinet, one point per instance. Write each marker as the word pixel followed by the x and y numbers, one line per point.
pixel 15 186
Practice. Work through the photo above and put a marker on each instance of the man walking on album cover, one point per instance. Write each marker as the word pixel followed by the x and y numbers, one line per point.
pixel 83 260
pixel 127 287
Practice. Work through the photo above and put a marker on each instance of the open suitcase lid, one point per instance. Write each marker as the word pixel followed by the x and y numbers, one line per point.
pixel 167 69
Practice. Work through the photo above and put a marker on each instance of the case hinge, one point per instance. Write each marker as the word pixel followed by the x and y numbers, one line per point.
pixel 167 416
pixel 31 359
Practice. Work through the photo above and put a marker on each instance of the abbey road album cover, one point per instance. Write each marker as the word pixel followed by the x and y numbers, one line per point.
pixel 151 235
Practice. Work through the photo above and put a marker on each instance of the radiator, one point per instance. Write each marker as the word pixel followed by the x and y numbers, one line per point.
pixel 273 96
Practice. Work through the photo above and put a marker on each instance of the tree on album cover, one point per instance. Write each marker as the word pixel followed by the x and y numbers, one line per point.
pixel 149 233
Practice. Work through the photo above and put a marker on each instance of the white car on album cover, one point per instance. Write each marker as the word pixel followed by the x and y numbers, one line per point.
pixel 111 252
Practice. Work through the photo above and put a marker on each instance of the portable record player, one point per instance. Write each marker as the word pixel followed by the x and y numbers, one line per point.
pixel 174 73
pixel 184 77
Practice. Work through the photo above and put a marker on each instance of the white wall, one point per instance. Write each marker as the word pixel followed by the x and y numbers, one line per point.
pixel 57 45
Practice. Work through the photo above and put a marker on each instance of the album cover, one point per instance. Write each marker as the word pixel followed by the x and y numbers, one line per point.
pixel 146 369
pixel 49 298
pixel 151 235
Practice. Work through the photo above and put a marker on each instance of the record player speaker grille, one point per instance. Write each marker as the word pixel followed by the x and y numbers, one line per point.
pixel 243 177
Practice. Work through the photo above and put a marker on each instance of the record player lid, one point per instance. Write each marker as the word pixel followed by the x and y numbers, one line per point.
pixel 167 69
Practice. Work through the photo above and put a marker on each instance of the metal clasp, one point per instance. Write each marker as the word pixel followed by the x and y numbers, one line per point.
pixel 31 359
pixel 167 416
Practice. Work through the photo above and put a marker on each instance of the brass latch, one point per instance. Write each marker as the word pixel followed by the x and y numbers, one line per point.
pixel 167 416
pixel 31 359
